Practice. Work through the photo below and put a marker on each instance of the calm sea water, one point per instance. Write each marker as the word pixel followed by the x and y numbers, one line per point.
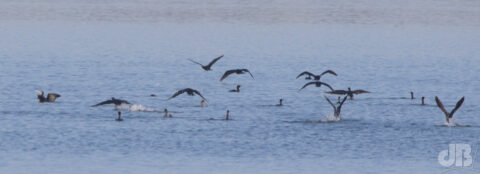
pixel 86 63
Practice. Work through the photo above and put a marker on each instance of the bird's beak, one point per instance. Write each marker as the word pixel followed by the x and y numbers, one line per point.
pixel 39 92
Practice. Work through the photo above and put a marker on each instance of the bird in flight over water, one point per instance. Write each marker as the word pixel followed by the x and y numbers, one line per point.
pixel 349 92
pixel 315 77
pixel 236 71
pixel 116 102
pixel 207 67
pixel 317 84
pixel 189 91
pixel 337 109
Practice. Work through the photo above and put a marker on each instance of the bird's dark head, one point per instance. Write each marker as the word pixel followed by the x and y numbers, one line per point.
pixel 238 86
pixel 113 98
pixel 349 89
pixel 119 113
pixel 280 102
pixel 165 110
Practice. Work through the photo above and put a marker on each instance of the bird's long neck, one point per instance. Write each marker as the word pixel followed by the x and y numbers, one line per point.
pixel 411 95
pixel 423 100
pixel 227 115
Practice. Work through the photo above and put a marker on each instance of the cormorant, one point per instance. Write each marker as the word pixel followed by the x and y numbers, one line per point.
pixel 316 77
pixel 449 115
pixel 317 84
pixel 349 92
pixel 280 102
pixel 236 90
pixel 202 103
pixel 411 95
pixel 423 100
pixel 337 109
pixel 50 97
pixel 236 71
pixel 189 91
pixel 207 67
pixel 166 115
pixel 115 101
pixel 227 115
pixel 119 119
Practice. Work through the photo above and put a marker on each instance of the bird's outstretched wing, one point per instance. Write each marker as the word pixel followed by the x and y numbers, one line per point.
pixel 304 86
pixel 338 92
pixel 227 73
pixel 305 73
pixel 52 97
pixel 360 91
pixel 103 103
pixel 328 100
pixel 440 105
pixel 328 71
pixel 459 103
pixel 195 62
pixel 326 85
pixel 198 93
pixel 177 93
pixel 341 103
pixel 246 70
pixel 213 61
pixel 124 101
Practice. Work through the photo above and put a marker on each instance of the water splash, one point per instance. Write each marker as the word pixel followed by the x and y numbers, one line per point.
pixel 331 118
pixel 135 107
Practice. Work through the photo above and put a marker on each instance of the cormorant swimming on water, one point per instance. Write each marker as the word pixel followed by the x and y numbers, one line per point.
pixel 411 95
pixel 349 92
pixel 317 84
pixel 449 115
pixel 236 71
pixel 227 115
pixel 115 101
pixel 50 97
pixel 337 109
pixel 316 77
pixel 423 100
pixel 280 102
pixel 208 67
pixel 236 90
pixel 119 119
pixel 189 91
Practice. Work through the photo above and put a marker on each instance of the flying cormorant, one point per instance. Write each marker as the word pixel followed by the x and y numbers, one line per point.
pixel 236 71
pixel 449 115
pixel 349 92
pixel 115 101
pixel 317 84
pixel 315 77
pixel 189 91
pixel 208 67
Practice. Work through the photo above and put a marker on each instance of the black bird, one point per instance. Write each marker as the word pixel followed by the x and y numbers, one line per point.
pixel 236 90
pixel 189 91
pixel 51 97
pixel 448 115
pixel 115 101
pixel 337 109
pixel 316 77
pixel 119 119
pixel 317 84
pixel 280 102
pixel 236 71
pixel 411 95
pixel 207 67
pixel 349 92
pixel 423 100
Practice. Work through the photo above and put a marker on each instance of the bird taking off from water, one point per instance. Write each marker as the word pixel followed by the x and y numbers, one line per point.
pixel 235 71
pixel 315 77
pixel 114 101
pixel 317 84
pixel 449 115
pixel 189 91
pixel 51 97
pixel 208 67
pixel 337 109
pixel 349 92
